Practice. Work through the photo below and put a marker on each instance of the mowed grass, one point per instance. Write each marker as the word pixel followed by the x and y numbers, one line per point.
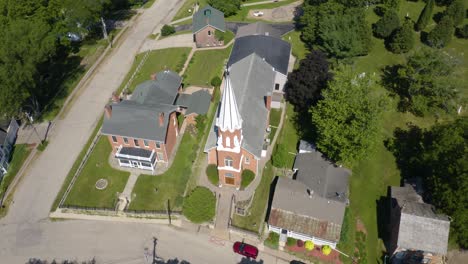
pixel 204 65
pixel 151 192
pixel 253 221
pixel 188 5
pixel 299 49
pixel 275 117
pixel 158 60
pixel 19 154
pixel 84 192
pixel 289 135
pixel 242 14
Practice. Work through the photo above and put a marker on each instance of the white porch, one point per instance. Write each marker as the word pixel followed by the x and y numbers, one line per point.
pixel 303 237
pixel 136 158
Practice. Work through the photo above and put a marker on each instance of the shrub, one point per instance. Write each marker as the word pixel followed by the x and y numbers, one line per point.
pixel 425 16
pixel 456 10
pixel 291 241
pixel 441 35
pixel 309 245
pixel 462 32
pixel 167 30
pixel 199 206
pixel 300 243
pixel 272 241
pixel 219 35
pixel 247 178
pixel 326 250
pixel 212 173
pixel 216 81
pixel 279 157
pixel 387 24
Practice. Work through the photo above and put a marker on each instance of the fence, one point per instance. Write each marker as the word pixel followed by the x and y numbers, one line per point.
pixel 125 89
pixel 80 168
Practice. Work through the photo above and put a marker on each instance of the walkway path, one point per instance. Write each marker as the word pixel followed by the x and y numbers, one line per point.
pixel 177 41
pixel 127 192
pixel 261 3
pixel 180 20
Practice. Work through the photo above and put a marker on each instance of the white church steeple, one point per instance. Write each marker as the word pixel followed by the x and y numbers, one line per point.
pixel 229 118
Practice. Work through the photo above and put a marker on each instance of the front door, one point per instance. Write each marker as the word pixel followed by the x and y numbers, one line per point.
pixel 229 180
pixel 135 164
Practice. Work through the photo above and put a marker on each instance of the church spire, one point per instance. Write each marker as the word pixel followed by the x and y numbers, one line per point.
pixel 229 117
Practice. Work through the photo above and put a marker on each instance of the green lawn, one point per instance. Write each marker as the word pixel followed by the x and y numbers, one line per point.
pixel 19 154
pixel 170 185
pixel 275 116
pixel 158 60
pixel 242 14
pixel 204 65
pixel 289 136
pixel 184 10
pixel 253 221
pixel 84 192
pixel 299 49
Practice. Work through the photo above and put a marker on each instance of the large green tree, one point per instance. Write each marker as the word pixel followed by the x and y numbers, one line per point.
pixel 228 7
pixel 425 16
pixel 347 119
pixel 457 11
pixel 402 39
pixel 426 83
pixel 384 27
pixel 442 34
pixel 341 31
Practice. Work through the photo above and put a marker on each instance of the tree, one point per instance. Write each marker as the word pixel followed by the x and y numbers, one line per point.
pixel 342 32
pixel 199 205
pixel 308 24
pixel 426 82
pixel 167 30
pixel 216 81
pixel 457 11
pixel 442 34
pixel 392 4
pixel 347 119
pixel 305 83
pixel 445 158
pixel 425 16
pixel 384 27
pixel 402 39
pixel 228 7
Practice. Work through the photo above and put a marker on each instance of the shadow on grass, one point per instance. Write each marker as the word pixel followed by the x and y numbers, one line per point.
pixel 270 197
pixel 383 219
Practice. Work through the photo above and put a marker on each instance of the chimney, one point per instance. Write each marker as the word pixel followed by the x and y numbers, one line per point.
pixel 115 97
pixel 153 77
pixel 161 119
pixel 108 111
pixel 268 101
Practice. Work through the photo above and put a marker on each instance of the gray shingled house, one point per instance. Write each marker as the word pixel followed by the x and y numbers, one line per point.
pixel 417 233
pixel 310 206
pixel 274 51
pixel 143 130
pixel 8 133
pixel 207 24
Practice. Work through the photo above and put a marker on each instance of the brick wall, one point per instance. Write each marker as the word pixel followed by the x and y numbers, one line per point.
pixel 172 133
pixel 252 165
pixel 203 39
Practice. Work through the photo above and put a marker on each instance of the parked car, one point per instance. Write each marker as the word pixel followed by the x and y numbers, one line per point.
pixel 258 13
pixel 245 250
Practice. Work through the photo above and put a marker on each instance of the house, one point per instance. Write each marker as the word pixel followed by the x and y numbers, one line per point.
pixel 310 206
pixel 8 132
pixel 143 129
pixel 259 28
pixel 194 104
pixel 417 233
pixel 207 26
pixel 274 51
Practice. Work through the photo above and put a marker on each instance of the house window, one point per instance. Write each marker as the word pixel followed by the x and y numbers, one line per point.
pixel 276 86
pixel 145 142
pixel 228 175
pixel 125 140
pixel 158 145
pixel 228 162
pixel 160 156
pixel 209 33
pixel 114 139
pixel 137 144
pixel 145 164
pixel 247 160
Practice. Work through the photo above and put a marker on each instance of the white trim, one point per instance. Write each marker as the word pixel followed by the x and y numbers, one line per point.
pixel 211 26
pixel 229 169
pixel 296 235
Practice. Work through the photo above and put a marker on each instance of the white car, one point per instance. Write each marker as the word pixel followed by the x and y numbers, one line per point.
pixel 258 13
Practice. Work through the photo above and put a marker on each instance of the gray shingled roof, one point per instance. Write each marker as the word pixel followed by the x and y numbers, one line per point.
pixel 208 16
pixel 293 209
pixel 139 116
pixel 275 51
pixel 306 146
pixel 321 176
pixel 138 152
pixel 420 228
pixel 197 102
pixel 251 79
pixel 258 28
